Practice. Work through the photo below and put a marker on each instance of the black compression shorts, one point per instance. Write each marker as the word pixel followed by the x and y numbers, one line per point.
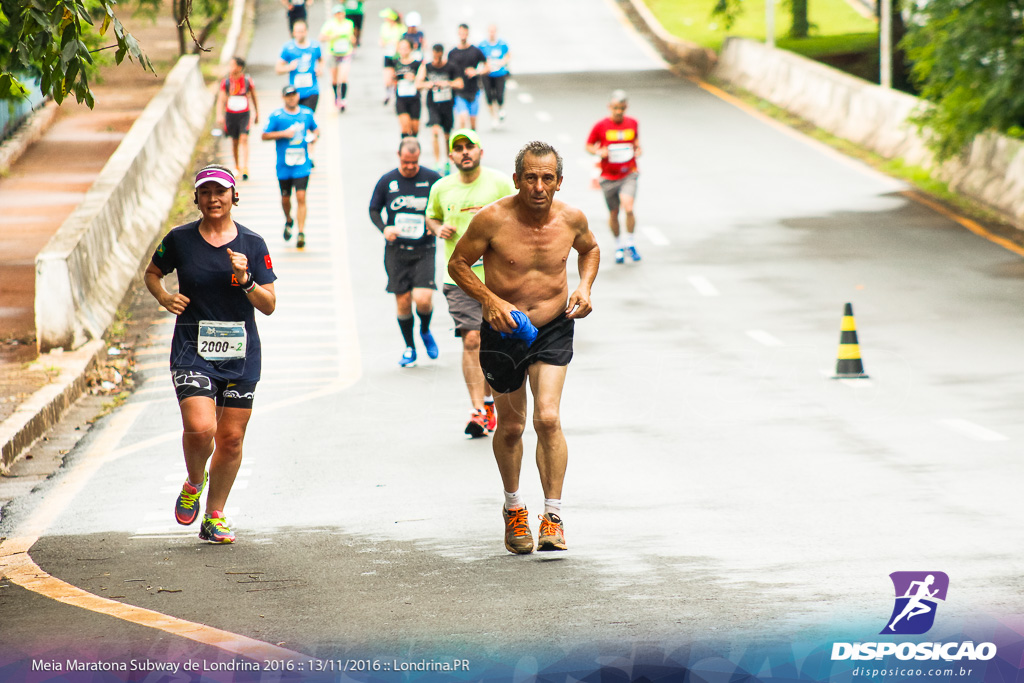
pixel 287 184
pixel 189 383
pixel 504 361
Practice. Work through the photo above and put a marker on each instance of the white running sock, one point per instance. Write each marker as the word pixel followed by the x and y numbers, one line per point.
pixel 553 505
pixel 513 501
pixel 620 241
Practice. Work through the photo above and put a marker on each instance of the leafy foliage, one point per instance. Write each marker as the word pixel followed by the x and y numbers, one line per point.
pixel 50 38
pixel 207 14
pixel 729 10
pixel 968 63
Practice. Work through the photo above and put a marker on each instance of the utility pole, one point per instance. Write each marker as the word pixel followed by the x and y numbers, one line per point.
pixel 769 22
pixel 885 40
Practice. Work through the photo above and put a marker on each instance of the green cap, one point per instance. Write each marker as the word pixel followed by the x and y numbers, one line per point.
pixel 467 133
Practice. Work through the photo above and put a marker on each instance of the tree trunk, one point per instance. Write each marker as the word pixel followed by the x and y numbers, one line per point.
pixel 800 27
pixel 178 8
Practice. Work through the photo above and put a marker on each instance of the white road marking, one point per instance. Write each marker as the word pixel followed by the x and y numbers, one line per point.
pixel 525 98
pixel 543 116
pixel 765 338
pixel 656 236
pixel 972 430
pixel 702 285
pixel 564 138
pixel 512 84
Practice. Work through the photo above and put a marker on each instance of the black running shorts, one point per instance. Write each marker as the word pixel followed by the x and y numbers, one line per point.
pixel 188 383
pixel 504 361
pixel 310 101
pixel 409 105
pixel 236 124
pixel 441 114
pixel 409 267
pixel 287 184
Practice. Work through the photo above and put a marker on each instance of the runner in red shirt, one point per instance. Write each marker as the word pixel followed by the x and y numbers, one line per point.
pixel 616 140
pixel 233 100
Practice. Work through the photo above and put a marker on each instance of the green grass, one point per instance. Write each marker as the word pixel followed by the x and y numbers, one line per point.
pixel 831 20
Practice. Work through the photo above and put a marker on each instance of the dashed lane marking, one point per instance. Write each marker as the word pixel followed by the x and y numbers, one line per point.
pixel 655 236
pixel 702 285
pixel 765 338
pixel 972 430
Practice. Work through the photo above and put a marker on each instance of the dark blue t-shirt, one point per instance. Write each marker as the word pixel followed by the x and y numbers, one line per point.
pixel 206 278
pixel 401 195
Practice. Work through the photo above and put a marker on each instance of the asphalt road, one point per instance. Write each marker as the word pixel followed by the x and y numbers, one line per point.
pixel 722 488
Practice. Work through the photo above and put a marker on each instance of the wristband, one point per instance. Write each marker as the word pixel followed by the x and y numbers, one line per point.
pixel 249 286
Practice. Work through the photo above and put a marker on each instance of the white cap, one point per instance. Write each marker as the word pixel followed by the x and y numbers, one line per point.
pixel 413 19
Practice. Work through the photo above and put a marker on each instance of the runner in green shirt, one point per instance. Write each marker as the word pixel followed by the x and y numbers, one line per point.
pixel 354 13
pixel 338 35
pixel 391 31
pixel 454 200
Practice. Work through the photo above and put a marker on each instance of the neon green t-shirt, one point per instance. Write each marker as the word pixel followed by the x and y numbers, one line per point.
pixel 454 203
pixel 339 36
pixel 390 34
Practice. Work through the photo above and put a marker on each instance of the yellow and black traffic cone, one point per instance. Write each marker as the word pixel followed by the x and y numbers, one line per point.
pixel 849 365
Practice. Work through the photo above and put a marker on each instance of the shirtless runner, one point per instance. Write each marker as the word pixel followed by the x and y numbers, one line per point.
pixel 525 240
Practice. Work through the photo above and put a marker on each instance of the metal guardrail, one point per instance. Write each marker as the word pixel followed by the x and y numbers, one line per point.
pixel 13 112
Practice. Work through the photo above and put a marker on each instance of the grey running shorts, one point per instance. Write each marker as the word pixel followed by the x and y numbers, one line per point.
pixel 613 188
pixel 464 309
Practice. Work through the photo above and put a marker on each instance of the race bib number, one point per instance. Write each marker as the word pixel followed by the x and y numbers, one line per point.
pixel 410 225
pixel 443 95
pixel 220 340
pixel 341 47
pixel 406 88
pixel 494 64
pixel 620 152
pixel 238 103
pixel 294 156
pixel 303 80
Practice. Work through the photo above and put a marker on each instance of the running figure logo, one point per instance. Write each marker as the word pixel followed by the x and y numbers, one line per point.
pixel 917 596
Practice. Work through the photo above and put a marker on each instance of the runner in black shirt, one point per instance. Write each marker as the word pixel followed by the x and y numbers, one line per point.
pixel 224 276
pixel 409 251
pixel 408 105
pixel 469 62
pixel 438 78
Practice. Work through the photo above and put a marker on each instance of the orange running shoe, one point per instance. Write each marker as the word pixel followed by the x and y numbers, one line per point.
pixel 518 538
pixel 492 416
pixel 552 533
pixel 477 425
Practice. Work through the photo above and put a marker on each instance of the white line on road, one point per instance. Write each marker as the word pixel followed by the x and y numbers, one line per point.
pixel 702 285
pixel 972 430
pixel 543 117
pixel 765 338
pixel 656 236
pixel 525 98
pixel 564 138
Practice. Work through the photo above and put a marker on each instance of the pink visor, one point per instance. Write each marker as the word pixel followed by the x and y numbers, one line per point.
pixel 222 178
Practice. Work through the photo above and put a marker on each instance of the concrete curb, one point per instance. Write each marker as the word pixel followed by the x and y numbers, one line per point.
pixel 30 131
pixel 46 407
pixel 691 58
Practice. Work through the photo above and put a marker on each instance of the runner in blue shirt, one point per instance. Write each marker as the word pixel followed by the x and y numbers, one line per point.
pixel 301 58
pixel 293 128
pixel 496 52
pixel 224 276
